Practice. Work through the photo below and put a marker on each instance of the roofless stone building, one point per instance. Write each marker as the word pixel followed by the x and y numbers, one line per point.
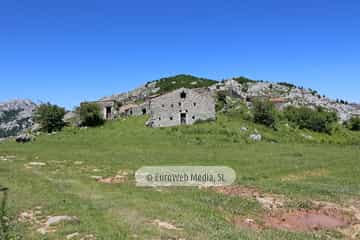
pixel 180 107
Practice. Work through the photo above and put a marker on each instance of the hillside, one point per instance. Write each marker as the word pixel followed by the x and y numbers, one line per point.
pixel 88 173
pixel 15 117
pixel 243 88
pixel 162 86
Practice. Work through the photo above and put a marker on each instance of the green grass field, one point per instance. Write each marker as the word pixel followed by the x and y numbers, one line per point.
pixel 322 167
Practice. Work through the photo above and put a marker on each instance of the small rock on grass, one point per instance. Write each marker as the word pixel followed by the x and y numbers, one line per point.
pixel 36 164
pixel 165 225
pixel 55 220
pixel 73 235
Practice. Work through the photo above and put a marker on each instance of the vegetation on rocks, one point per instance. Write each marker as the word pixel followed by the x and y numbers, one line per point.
pixel 187 81
pixel 354 124
pixel 318 119
pixel 243 80
pixel 286 84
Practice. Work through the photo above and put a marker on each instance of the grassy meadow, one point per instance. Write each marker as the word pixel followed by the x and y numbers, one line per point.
pixel 299 164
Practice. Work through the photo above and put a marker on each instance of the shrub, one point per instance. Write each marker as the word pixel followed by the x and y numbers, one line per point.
pixel 220 100
pixel 354 124
pixel 50 117
pixel 90 115
pixel 317 120
pixel 187 81
pixel 286 84
pixel 265 113
pixel 243 80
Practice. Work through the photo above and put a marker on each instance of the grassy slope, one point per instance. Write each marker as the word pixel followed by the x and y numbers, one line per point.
pixel 120 211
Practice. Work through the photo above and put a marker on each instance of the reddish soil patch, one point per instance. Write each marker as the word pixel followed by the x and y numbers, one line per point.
pixel 112 180
pixel 308 220
pixel 324 216
pixel 298 221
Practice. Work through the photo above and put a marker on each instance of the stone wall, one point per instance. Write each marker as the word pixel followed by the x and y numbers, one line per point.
pixel 182 106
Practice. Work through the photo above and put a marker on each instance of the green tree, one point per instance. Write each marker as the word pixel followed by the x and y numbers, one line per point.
pixel 318 119
pixel 90 115
pixel 354 124
pixel 265 113
pixel 50 117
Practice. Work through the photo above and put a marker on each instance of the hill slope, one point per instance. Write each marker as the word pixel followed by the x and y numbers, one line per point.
pixel 244 88
pixel 161 86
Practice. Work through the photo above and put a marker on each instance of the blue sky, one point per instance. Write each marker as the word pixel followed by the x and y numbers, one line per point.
pixel 73 50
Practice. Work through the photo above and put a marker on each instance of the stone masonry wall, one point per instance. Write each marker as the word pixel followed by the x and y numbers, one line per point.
pixel 166 110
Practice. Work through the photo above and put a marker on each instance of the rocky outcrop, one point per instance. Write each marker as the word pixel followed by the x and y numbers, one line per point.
pixel 15 117
pixel 137 94
pixel 288 94
pixel 24 138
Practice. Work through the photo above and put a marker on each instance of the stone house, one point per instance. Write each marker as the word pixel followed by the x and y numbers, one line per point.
pixel 181 107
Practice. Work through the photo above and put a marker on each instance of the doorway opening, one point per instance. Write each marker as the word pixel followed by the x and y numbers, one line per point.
pixel 183 118
pixel 108 112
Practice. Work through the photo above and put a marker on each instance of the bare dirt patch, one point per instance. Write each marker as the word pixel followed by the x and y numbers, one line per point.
pixel 320 216
pixel 34 164
pixel 267 200
pixel 43 225
pixel 32 216
pixel 308 220
pixel 165 225
pixel 305 175
pixel 122 176
pixel 112 180
pixel 7 158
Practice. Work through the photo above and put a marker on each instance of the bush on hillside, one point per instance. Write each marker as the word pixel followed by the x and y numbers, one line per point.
pixel 317 120
pixel 354 124
pixel 50 117
pixel 286 84
pixel 264 112
pixel 243 80
pixel 187 81
pixel 220 101
pixel 90 115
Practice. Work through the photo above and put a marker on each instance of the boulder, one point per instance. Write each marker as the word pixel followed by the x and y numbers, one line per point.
pixel 24 138
pixel 35 128
pixel 243 129
pixel 256 137
pixel 55 220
